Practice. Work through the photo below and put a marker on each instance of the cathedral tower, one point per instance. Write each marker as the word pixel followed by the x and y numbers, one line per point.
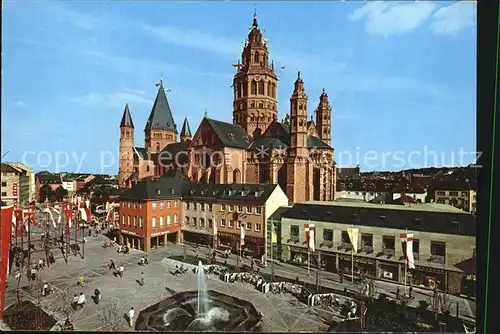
pixel 323 119
pixel 126 155
pixel 160 129
pixel 255 85
pixel 186 131
pixel 299 171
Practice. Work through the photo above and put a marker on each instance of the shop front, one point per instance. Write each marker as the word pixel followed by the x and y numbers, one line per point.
pixel 427 277
pixel 157 240
pixel 388 271
pixel 469 285
pixel 172 237
pixel 196 238
pixel 329 261
pixel 227 241
pixel 131 240
pixel 301 255
pixel 362 266
pixel 254 247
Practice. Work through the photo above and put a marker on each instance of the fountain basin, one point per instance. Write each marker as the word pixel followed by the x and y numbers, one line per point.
pixel 178 313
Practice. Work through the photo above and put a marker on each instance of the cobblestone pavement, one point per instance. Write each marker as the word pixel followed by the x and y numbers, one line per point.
pixel 281 312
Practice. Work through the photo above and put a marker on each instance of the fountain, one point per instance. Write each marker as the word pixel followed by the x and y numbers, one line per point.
pixel 201 311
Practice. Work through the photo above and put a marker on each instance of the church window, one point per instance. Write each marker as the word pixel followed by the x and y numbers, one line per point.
pixel 256 57
pixel 252 104
pixel 147 168
pixel 261 87
pixel 254 87
pixel 261 105
pixel 274 90
pixel 252 118
pixel 240 89
pixel 157 147
pixel 245 89
pixel 269 89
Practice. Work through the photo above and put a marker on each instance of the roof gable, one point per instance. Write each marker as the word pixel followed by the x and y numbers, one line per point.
pixel 226 134
pixel 161 117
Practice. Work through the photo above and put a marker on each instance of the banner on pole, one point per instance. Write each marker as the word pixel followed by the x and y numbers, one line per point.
pixel 5 239
pixel 353 236
pixel 407 245
pixel 310 237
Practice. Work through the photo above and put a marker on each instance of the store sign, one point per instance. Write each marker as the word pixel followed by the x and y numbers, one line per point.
pixel 298 250
pixel 433 270
pixel 357 259
pixel 387 274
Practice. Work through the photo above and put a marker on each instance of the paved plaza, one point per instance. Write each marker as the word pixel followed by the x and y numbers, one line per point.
pixel 281 312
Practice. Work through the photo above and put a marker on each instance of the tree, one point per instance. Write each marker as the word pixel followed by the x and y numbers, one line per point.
pixel 46 193
pixel 63 305
pixel 111 317
pixel 60 194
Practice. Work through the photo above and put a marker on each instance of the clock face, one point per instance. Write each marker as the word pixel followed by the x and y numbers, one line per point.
pixel 257 78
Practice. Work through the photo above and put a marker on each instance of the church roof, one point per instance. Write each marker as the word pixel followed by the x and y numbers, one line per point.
pixel 161 116
pixel 126 118
pixel 268 142
pixel 140 152
pixel 186 130
pixel 230 135
pixel 315 142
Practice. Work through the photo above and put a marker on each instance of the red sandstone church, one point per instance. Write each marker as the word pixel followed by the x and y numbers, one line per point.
pixel 255 148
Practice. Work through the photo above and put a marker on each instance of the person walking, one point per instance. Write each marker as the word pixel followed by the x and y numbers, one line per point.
pixel 112 265
pixel 142 278
pixel 341 277
pixel 397 293
pixel 131 314
pixel 410 292
pixel 81 281
pixel 120 271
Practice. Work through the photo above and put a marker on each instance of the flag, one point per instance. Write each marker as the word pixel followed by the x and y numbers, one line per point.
pixel 68 212
pixel 109 216
pixel 215 227
pixel 85 214
pixel 274 238
pixel 242 235
pixel 107 206
pixel 51 211
pixel 87 204
pixel 309 228
pixel 407 244
pixel 29 215
pixel 353 236
pixel 5 238
pixel 17 221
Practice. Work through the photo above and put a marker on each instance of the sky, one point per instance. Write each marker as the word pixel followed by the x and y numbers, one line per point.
pixel 401 76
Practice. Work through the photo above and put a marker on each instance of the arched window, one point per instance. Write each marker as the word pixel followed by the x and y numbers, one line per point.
pixel 147 168
pixel 245 89
pixel 254 87
pixel 236 176
pixel 240 89
pixel 157 147
pixel 256 57
pixel 269 89
pixel 261 87
pixel 274 90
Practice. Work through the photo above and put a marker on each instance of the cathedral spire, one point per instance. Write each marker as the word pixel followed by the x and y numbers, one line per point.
pixel 186 131
pixel 126 118
pixel 255 24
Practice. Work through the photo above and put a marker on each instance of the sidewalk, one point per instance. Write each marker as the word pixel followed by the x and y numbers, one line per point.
pixel 332 280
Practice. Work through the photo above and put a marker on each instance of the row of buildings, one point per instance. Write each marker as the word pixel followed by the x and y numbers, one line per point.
pixel 172 209
pixel 18 184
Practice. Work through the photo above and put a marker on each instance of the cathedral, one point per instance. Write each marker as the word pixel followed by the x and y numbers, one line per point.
pixel 294 152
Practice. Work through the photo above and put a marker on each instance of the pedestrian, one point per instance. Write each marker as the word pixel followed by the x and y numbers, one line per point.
pixel 112 265
pixel 397 293
pixel 410 291
pixel 81 281
pixel 142 278
pixel 84 240
pixel 81 300
pixel 131 314
pixel 97 296
pixel 146 260
pixel 341 277
pixel 142 261
pixel 41 263
pixel 74 302
pixel 90 232
pixel 120 270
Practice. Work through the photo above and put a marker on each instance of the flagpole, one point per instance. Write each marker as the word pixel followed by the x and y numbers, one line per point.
pixel 352 257
pixel 309 250
pixel 272 262
pixel 406 258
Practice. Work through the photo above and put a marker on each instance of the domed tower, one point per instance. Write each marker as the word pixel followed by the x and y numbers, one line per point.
pixel 126 155
pixel 255 85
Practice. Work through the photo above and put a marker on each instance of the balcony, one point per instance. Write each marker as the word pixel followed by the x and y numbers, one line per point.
pixel 437 259
pixel 366 249
pixel 326 243
pixel 389 252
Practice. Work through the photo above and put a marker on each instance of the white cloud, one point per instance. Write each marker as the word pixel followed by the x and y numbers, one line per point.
pixel 20 103
pixel 451 19
pixel 195 39
pixel 387 18
pixel 113 100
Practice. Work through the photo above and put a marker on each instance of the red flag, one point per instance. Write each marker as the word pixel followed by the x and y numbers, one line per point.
pixel 69 215
pixel 29 214
pixel 5 238
pixel 18 213
pixel 85 214
pixel 310 229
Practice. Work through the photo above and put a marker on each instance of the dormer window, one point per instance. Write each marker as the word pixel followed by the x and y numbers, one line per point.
pixel 230 135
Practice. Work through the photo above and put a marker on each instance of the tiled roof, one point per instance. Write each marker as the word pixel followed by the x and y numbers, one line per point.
pixel 231 135
pixel 315 142
pixel 268 142
pixel 9 168
pixel 169 153
pixel 276 215
pixel 161 116
pixel 229 192
pixel 458 185
pixel 49 178
pixel 141 153
pixel 387 216
pixel 126 118
pixel 161 188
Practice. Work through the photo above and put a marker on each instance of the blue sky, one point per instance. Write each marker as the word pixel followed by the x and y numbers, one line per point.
pixel 401 77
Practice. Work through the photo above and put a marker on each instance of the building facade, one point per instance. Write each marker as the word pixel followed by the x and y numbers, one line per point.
pixel 213 215
pixel 16 185
pixel 150 213
pixel 463 198
pixel 31 180
pixel 255 148
pixel 444 246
